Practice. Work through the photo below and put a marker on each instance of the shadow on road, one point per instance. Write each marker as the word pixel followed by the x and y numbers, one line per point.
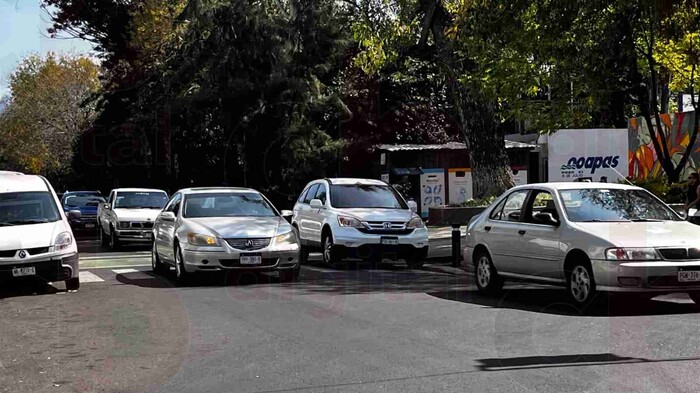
pixel 199 280
pixel 538 362
pixel 26 287
pixel 554 301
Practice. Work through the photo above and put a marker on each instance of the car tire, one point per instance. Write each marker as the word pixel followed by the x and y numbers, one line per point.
pixel 114 242
pixel 580 283
pixel 73 284
pixel 290 275
pixel 415 262
pixel 487 278
pixel 328 250
pixel 157 265
pixel 695 297
pixel 104 240
pixel 181 275
pixel 303 254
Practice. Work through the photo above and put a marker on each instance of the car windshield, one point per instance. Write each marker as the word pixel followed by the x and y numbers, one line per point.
pixel 365 196
pixel 140 200
pixel 83 201
pixel 248 204
pixel 614 205
pixel 24 208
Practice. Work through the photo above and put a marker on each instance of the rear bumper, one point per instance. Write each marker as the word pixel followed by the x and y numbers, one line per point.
pixel 657 276
pixel 58 268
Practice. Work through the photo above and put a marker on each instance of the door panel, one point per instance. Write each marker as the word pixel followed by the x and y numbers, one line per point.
pixel 540 244
pixel 306 215
pixel 503 226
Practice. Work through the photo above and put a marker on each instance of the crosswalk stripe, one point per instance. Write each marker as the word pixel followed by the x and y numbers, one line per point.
pixel 88 277
pixel 112 267
pixel 320 269
pixel 124 271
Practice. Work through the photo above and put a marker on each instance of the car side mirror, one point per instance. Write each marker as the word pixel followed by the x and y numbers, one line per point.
pixel 546 218
pixel 167 216
pixel 316 204
pixel 75 215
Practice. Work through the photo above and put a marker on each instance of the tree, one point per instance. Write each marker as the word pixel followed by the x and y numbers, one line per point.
pixel 47 113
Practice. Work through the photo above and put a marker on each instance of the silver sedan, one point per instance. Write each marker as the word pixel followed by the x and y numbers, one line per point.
pixel 223 229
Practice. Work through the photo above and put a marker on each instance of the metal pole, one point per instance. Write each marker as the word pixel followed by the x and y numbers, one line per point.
pixel 456 252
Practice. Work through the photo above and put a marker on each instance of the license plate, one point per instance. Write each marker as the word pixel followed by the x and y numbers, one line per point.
pixel 251 259
pixel 689 276
pixel 89 225
pixel 23 271
pixel 390 241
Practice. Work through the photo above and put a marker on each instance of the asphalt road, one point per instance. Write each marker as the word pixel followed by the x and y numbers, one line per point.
pixel 348 330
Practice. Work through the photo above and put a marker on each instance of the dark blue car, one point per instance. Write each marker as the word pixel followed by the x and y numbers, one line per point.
pixel 86 202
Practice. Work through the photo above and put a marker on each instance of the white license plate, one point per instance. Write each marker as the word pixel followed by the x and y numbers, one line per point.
pixel 89 225
pixel 389 241
pixel 23 271
pixel 689 276
pixel 251 259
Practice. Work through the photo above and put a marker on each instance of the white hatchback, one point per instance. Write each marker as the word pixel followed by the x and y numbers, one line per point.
pixel 587 236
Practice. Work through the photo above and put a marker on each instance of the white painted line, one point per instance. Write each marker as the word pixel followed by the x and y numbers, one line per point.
pixel 89 277
pixel 115 257
pixel 111 267
pixel 319 269
pixel 125 271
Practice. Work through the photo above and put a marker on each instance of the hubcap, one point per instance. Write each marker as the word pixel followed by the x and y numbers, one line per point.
pixel 483 272
pixel 327 249
pixel 580 284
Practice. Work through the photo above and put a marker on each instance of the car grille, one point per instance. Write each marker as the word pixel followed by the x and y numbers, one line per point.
pixel 249 244
pixel 673 254
pixel 30 251
pixel 236 263
pixel 386 228
pixel 142 225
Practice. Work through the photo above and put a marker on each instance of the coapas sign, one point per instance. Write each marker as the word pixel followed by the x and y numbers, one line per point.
pixel 588 153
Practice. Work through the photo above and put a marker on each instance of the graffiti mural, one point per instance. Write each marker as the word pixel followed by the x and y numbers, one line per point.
pixel 676 128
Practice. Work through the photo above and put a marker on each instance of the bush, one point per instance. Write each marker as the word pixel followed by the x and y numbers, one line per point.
pixel 677 193
pixel 476 202
pixel 673 193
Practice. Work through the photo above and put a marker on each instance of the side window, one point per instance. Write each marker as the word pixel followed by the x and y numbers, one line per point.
pixel 303 194
pixel 174 205
pixel 512 207
pixel 321 193
pixel 541 202
pixel 311 194
pixel 497 211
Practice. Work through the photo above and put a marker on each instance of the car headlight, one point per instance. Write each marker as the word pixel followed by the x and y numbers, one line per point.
pixel 416 222
pixel 631 254
pixel 345 221
pixel 63 241
pixel 286 239
pixel 123 224
pixel 198 239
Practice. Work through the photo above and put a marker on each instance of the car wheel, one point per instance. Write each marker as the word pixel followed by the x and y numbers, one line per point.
pixel 329 257
pixel 73 284
pixel 580 283
pixel 695 296
pixel 181 274
pixel 113 239
pixel 104 240
pixel 487 278
pixel 303 255
pixel 157 265
pixel 290 275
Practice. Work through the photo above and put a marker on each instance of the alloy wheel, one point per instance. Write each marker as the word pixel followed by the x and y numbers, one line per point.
pixel 178 262
pixel 483 271
pixel 580 284
pixel 327 249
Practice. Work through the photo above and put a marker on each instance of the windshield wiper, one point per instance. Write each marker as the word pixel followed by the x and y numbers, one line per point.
pixel 599 220
pixel 645 220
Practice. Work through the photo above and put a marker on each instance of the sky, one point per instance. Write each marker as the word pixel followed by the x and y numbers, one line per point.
pixel 23 27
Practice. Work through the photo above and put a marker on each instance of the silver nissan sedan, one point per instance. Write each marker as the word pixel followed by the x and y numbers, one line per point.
pixel 223 229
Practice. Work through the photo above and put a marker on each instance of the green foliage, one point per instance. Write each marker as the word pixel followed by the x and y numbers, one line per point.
pixel 659 186
pixel 481 202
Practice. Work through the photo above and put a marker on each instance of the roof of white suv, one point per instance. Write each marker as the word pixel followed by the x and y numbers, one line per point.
pixel 18 182
pixel 349 180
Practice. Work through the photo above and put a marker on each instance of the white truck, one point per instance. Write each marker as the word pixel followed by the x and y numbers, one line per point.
pixel 128 215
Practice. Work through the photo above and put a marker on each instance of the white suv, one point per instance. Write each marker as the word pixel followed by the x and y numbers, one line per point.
pixel 360 219
pixel 35 237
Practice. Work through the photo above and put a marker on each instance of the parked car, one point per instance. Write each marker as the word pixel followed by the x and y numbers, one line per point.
pixel 224 230
pixel 361 219
pixel 128 215
pixel 589 237
pixel 87 203
pixel 35 237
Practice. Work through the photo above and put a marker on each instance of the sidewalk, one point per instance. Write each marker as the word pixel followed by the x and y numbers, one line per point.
pixel 440 241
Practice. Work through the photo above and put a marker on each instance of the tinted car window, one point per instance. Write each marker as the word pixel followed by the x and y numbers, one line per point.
pixel 82 200
pixel 227 205
pixel 140 199
pixel 599 204
pixel 303 194
pixel 365 196
pixel 174 204
pixel 24 208
pixel 512 207
pixel 321 193
pixel 311 193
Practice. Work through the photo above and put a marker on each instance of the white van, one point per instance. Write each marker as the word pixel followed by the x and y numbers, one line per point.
pixel 35 237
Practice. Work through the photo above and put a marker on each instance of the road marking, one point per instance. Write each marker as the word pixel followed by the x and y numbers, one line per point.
pixel 104 256
pixel 89 277
pixel 112 267
pixel 320 269
pixel 124 271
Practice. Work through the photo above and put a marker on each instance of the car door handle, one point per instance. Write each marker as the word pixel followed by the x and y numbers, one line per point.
pixel 521 232
pixel 487 229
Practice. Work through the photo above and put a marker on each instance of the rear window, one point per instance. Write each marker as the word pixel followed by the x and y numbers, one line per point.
pixel 366 196
pixel 25 208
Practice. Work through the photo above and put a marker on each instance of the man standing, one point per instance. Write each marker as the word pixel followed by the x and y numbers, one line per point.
pixel 693 192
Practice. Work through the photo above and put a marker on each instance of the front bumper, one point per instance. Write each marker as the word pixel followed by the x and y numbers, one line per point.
pixel 48 268
pixel 89 223
pixel 135 235
pixel 352 241
pixel 653 276
pixel 227 258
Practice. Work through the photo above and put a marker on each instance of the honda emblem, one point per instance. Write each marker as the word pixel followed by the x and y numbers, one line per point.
pixel 387 225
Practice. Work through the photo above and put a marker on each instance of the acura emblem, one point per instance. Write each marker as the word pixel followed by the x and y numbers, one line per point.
pixel 249 243
pixel 387 225
pixel 22 254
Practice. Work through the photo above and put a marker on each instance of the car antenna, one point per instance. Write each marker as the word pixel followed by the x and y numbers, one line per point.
pixel 622 177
